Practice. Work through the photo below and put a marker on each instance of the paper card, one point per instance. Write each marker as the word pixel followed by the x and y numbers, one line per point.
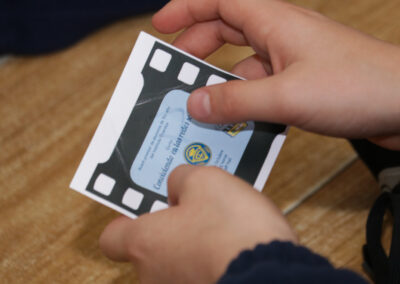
pixel 146 132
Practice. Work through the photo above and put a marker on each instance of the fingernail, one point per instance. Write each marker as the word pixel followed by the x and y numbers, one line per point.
pixel 200 103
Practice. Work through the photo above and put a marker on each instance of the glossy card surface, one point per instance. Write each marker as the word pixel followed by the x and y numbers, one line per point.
pixel 174 138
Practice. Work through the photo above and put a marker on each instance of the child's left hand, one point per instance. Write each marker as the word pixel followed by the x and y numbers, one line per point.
pixel 213 216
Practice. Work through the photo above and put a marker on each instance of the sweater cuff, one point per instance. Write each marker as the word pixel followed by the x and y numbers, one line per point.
pixel 283 262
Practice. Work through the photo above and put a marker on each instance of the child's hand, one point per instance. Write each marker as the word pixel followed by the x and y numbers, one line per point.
pixel 326 78
pixel 213 217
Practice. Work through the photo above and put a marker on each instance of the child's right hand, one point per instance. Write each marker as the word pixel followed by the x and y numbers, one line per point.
pixel 308 71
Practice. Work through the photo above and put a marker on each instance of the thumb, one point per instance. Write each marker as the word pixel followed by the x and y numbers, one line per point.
pixel 264 99
pixel 114 241
pixel 176 182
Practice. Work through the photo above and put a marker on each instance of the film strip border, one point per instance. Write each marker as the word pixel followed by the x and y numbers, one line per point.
pixel 165 69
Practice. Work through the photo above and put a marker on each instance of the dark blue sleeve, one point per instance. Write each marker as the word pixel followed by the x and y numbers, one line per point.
pixel 40 26
pixel 283 262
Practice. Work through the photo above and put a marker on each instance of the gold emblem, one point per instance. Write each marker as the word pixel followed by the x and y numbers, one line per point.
pixel 197 154
pixel 233 130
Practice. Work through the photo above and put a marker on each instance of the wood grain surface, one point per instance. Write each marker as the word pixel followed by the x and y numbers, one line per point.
pixel 50 106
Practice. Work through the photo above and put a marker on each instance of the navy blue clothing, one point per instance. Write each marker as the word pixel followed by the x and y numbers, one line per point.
pixel 39 26
pixel 285 263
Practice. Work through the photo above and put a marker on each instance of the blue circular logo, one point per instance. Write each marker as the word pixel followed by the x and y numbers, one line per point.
pixel 197 154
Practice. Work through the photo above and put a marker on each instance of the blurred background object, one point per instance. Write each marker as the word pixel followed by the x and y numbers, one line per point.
pixel 34 27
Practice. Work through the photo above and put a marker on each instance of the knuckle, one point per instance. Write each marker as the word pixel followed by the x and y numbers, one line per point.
pixel 199 176
pixel 285 101
pixel 137 246
pixel 175 173
pixel 193 177
pixel 305 12
pixel 133 251
pixel 229 101
pixel 103 243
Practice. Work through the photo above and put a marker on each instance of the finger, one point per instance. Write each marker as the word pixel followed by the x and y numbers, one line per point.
pixel 389 142
pixel 114 241
pixel 176 182
pixel 252 68
pixel 180 14
pixel 268 99
pixel 192 183
pixel 202 39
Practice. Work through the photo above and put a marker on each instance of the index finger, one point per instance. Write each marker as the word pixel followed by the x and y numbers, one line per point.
pixel 179 14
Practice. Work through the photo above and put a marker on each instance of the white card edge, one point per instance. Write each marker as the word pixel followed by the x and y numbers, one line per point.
pixel 107 203
pixel 270 160
pixel 122 91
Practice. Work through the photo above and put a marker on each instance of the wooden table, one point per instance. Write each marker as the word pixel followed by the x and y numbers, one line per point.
pixel 49 108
